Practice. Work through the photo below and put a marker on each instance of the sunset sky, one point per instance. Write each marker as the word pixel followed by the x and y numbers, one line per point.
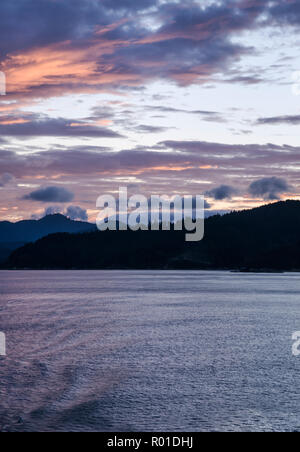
pixel 165 97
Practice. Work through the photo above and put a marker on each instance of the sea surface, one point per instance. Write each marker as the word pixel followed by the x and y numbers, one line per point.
pixel 149 351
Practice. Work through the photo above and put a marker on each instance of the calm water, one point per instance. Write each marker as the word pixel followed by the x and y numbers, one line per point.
pixel 149 351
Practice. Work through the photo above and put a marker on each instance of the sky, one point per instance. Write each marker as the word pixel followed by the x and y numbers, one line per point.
pixel 165 97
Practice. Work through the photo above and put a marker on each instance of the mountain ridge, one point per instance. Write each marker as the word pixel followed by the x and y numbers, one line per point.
pixel 243 240
pixel 13 235
pixel 32 229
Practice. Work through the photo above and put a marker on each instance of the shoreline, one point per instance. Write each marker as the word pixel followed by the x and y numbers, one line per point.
pixel 224 270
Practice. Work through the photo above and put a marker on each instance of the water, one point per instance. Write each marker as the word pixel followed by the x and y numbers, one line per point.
pixel 149 351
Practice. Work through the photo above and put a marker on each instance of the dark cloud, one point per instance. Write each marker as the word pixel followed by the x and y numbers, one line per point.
pixel 163 109
pixel 211 116
pixel 222 192
pixel 45 22
pixel 225 150
pixel 177 58
pixel 284 12
pixel 143 128
pixel 289 120
pixel 76 213
pixel 129 5
pixel 270 188
pixel 193 41
pixel 5 179
pixel 50 194
pixel 246 79
pixel 56 127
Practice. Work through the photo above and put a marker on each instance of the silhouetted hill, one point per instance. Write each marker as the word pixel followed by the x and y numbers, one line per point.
pixel 122 249
pixel 7 248
pixel 249 238
pixel 264 238
pixel 13 235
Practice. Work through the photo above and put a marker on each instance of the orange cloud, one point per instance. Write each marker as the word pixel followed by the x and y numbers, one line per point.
pixel 13 121
pixel 101 122
pixel 61 68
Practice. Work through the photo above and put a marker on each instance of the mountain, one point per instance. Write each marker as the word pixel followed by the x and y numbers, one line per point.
pixel 14 235
pixel 265 238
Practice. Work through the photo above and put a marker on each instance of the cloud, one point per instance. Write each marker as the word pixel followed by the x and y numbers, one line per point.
pixel 88 45
pixel 57 128
pixel 47 22
pixel 222 192
pixel 76 213
pixel 270 188
pixel 50 194
pixel 178 158
pixel 5 179
pixel 52 210
pixel 284 12
pixel 129 5
pixel 245 79
pixel 72 212
pixel 210 116
pixel 176 58
pixel 143 128
pixel 289 120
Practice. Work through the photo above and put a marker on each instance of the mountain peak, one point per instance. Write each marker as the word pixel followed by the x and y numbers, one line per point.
pixel 32 230
pixel 54 217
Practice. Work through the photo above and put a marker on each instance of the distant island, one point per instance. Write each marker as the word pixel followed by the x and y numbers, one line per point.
pixel 262 239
